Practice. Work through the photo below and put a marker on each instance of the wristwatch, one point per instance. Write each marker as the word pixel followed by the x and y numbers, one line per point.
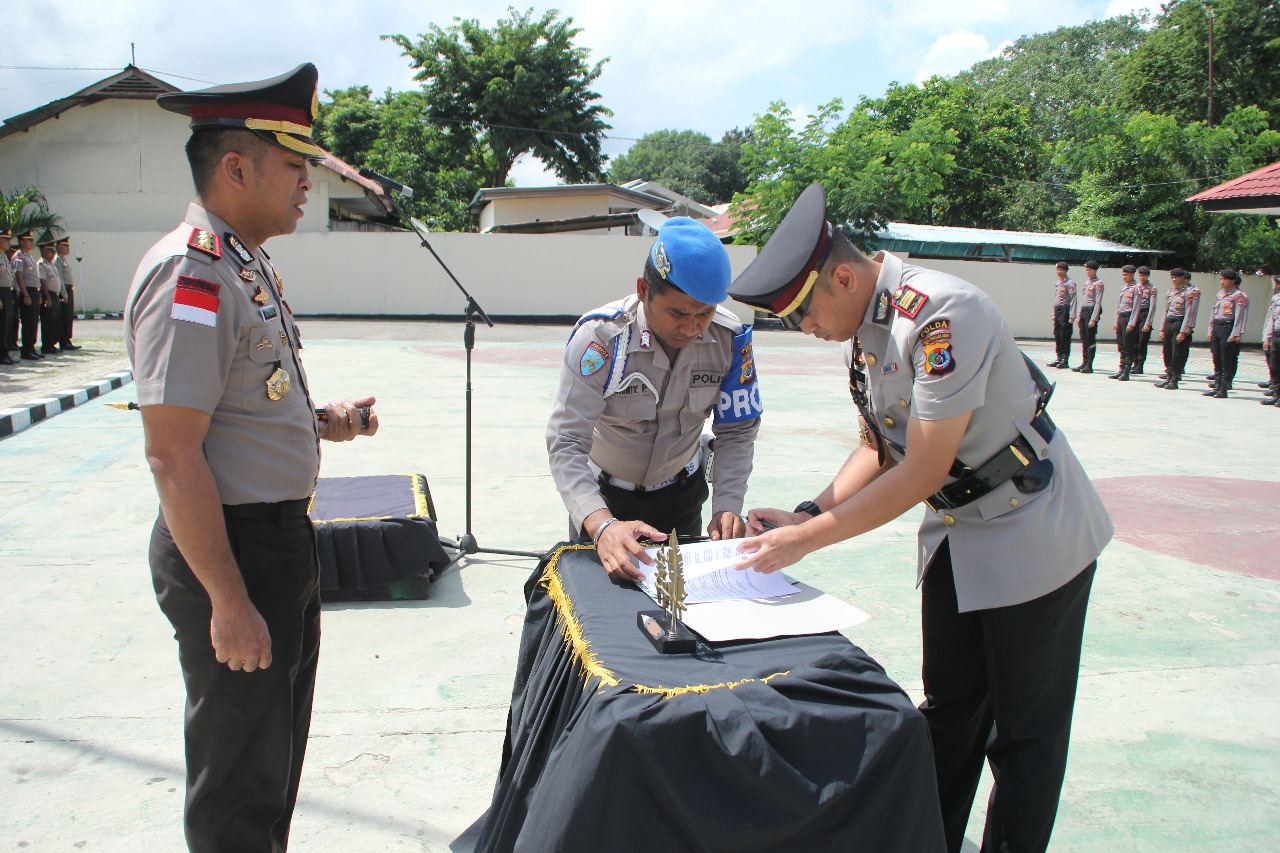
pixel 809 507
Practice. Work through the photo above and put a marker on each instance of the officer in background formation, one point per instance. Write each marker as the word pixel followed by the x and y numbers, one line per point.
pixel 1181 306
pixel 1230 311
pixel 1271 345
pixel 68 309
pixel 8 285
pixel 1124 313
pixel 1064 314
pixel 27 273
pixel 1008 547
pixel 50 297
pixel 640 378
pixel 233 442
pixel 1142 319
pixel 1090 311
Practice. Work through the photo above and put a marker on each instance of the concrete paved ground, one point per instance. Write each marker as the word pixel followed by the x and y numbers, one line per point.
pixel 1176 739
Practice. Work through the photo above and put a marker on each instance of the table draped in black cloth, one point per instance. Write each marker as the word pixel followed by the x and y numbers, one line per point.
pixel 374 531
pixel 791 744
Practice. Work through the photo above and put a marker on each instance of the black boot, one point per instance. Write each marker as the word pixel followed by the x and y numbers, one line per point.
pixel 1124 372
pixel 1223 388
pixel 1087 367
pixel 1172 384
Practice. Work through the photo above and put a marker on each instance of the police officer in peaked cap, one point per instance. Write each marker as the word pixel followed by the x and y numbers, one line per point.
pixel 954 417
pixel 232 437
pixel 640 378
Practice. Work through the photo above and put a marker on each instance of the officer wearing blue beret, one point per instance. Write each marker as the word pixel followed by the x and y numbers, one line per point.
pixel 640 378
pixel 955 417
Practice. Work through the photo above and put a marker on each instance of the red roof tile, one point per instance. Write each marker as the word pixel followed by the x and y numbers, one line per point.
pixel 1259 184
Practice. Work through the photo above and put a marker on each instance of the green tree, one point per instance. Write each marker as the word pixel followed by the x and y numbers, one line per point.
pixel 1169 72
pixel 1136 172
pixel 521 87
pixel 871 171
pixel 27 209
pixel 995 143
pixel 687 162
pixel 389 134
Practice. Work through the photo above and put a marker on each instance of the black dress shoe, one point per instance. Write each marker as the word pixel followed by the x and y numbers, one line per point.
pixel 69 347
pixel 1212 392
pixel 1264 384
pixel 1086 370
pixel 31 355
pixel 1164 384
pixel 49 350
pixel 1221 393
pixel 5 360
pixel 1053 363
pixel 1077 368
pixel 1269 401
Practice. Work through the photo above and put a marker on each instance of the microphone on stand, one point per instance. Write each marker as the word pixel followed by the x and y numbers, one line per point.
pixel 387 183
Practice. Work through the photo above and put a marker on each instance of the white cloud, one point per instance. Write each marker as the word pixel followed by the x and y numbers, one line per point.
pixel 951 53
pixel 529 171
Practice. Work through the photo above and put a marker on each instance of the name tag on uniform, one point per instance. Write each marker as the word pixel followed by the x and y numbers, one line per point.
pixel 706 379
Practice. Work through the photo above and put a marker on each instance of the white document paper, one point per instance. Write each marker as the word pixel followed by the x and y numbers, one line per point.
pixel 709 574
pixel 732 604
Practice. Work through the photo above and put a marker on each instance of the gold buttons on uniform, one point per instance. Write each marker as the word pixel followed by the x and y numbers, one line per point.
pixel 890 422
pixel 1013 502
pixel 904 404
pixel 871 359
pixel 948 520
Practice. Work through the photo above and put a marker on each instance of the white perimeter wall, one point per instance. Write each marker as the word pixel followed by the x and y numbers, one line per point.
pixel 560 274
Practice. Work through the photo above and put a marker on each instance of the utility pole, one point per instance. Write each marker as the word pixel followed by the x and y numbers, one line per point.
pixel 1209 11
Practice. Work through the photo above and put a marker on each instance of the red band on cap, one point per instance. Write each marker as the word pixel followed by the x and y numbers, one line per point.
pixel 269 112
pixel 815 259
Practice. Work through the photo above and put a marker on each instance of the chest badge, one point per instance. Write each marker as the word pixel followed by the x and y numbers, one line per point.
pixel 259 295
pixel 888 368
pixel 247 275
pixel 278 383
pixel 265 343
pixel 269 312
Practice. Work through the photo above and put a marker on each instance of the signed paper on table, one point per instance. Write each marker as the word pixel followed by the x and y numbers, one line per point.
pixel 742 605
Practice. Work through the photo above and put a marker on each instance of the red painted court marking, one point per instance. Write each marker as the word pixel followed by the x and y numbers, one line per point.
pixel 1222 523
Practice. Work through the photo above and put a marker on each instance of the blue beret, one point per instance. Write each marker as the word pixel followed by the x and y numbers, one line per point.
pixel 687 255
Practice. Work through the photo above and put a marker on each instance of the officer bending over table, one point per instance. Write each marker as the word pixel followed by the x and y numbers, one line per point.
pixel 233 441
pixel 640 378
pixel 953 415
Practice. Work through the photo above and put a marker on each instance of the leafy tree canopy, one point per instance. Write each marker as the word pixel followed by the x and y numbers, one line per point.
pixel 686 161
pixel 521 87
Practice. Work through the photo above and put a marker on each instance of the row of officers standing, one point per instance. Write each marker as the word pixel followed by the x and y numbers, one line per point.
pixel 37 294
pixel 1136 315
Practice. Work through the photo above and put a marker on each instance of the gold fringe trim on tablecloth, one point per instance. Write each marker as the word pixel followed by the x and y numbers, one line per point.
pixel 577 643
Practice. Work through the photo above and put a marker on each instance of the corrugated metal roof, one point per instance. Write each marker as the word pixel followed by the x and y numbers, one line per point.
pixel 975 239
pixel 1259 182
pixel 131 83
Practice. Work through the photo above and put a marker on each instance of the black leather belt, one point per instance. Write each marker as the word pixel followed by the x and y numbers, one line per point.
pixel 277 511
pixel 1016 460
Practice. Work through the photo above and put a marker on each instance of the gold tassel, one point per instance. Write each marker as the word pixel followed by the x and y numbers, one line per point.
pixel 668 692
pixel 570 628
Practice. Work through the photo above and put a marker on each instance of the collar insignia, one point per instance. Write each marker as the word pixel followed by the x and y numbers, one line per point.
pixel 279 283
pixel 908 300
pixel 247 275
pixel 881 315
pixel 205 241
pixel 241 253
pixel 646 340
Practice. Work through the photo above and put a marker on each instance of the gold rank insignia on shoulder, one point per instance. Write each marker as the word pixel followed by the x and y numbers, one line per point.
pixel 661 262
pixel 259 295
pixel 279 283
pixel 908 300
pixel 240 250
pixel 247 275
pixel 278 383
pixel 205 241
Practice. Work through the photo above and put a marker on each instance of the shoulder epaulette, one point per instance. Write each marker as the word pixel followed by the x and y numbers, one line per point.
pixel 724 317
pixel 908 300
pixel 205 241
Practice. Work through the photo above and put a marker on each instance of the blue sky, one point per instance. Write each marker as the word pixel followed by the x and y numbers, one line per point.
pixel 709 65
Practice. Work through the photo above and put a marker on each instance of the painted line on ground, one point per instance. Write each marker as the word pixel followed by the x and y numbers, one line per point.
pixel 14 421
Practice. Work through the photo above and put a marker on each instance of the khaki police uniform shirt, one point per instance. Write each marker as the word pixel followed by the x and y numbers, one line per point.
pixel 1271 323
pixel 639 417
pixel 50 281
pixel 63 266
pixel 8 281
pixel 198 338
pixel 1091 301
pixel 950 353
pixel 1064 295
pixel 25 270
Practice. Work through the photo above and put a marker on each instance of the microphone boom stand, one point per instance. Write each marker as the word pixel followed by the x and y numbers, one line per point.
pixel 466 543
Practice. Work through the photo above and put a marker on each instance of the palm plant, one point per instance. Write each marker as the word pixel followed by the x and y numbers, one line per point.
pixel 27 209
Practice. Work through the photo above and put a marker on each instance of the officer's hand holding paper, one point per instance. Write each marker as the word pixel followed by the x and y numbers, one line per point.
pixel 709 574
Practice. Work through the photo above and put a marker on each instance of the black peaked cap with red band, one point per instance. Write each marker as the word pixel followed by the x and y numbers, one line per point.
pixel 280 110
pixel 782 276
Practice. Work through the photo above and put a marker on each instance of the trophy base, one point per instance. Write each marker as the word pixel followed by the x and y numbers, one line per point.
pixel 653 624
